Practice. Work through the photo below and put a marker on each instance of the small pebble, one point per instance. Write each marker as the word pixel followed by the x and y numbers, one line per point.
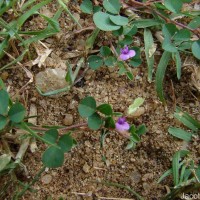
pixel 86 168
pixel 68 120
pixel 46 179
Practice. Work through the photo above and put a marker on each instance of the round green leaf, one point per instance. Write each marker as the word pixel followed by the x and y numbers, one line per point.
pixel 4 100
pixel 17 113
pixel 53 157
pixel 103 22
pixel 127 40
pixel 135 62
pixel 105 51
pixel 196 49
pixel 87 107
pixel 119 20
pixel 182 35
pixel 173 6
pixel 94 121
pixel 95 62
pixel 65 142
pixel 51 135
pixel 109 122
pixel 3 122
pixel 86 7
pixel 112 6
pixel 106 109
pixel 110 61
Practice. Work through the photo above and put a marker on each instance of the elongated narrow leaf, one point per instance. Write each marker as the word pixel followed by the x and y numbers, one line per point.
pixel 180 133
pixel 167 173
pixel 32 11
pixel 176 164
pixel 91 40
pixel 4 101
pixel 186 119
pixel 178 64
pixel 160 73
pixel 144 23
pixel 149 52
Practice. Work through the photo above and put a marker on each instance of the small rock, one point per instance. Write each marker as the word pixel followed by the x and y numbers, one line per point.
pixel 46 179
pixel 4 75
pixel 140 111
pixel 50 80
pixel 136 176
pixel 68 120
pixel 86 168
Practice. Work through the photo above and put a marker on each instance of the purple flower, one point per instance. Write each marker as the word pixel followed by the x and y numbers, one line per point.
pixel 122 125
pixel 126 53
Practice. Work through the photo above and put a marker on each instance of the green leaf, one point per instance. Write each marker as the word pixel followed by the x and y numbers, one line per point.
pixel 178 64
pixel 168 46
pixel 112 6
pixel 94 121
pixel 129 30
pixel 3 122
pixel 196 49
pixel 195 23
pixel 176 165
pixel 4 161
pixel 135 62
pixel 105 51
pixel 187 120
pixel 141 130
pixel 173 6
pixel 95 62
pixel 129 75
pixel 87 107
pixel 103 22
pixel 135 105
pixel 149 52
pixel 106 109
pixel 17 112
pixel 118 32
pixel 30 12
pixel 91 40
pixel 51 136
pixel 53 157
pixel 86 6
pixel 127 40
pixel 160 73
pixel 180 133
pixel 182 35
pixel 65 142
pixel 119 20
pixel 4 101
pixel 109 122
pixel 169 30
pixel 131 145
pixel 144 23
pixel 167 173
pixel 110 61
pixel 134 137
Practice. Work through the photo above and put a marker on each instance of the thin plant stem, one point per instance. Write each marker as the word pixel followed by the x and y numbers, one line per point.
pixel 122 187
pixel 35 179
